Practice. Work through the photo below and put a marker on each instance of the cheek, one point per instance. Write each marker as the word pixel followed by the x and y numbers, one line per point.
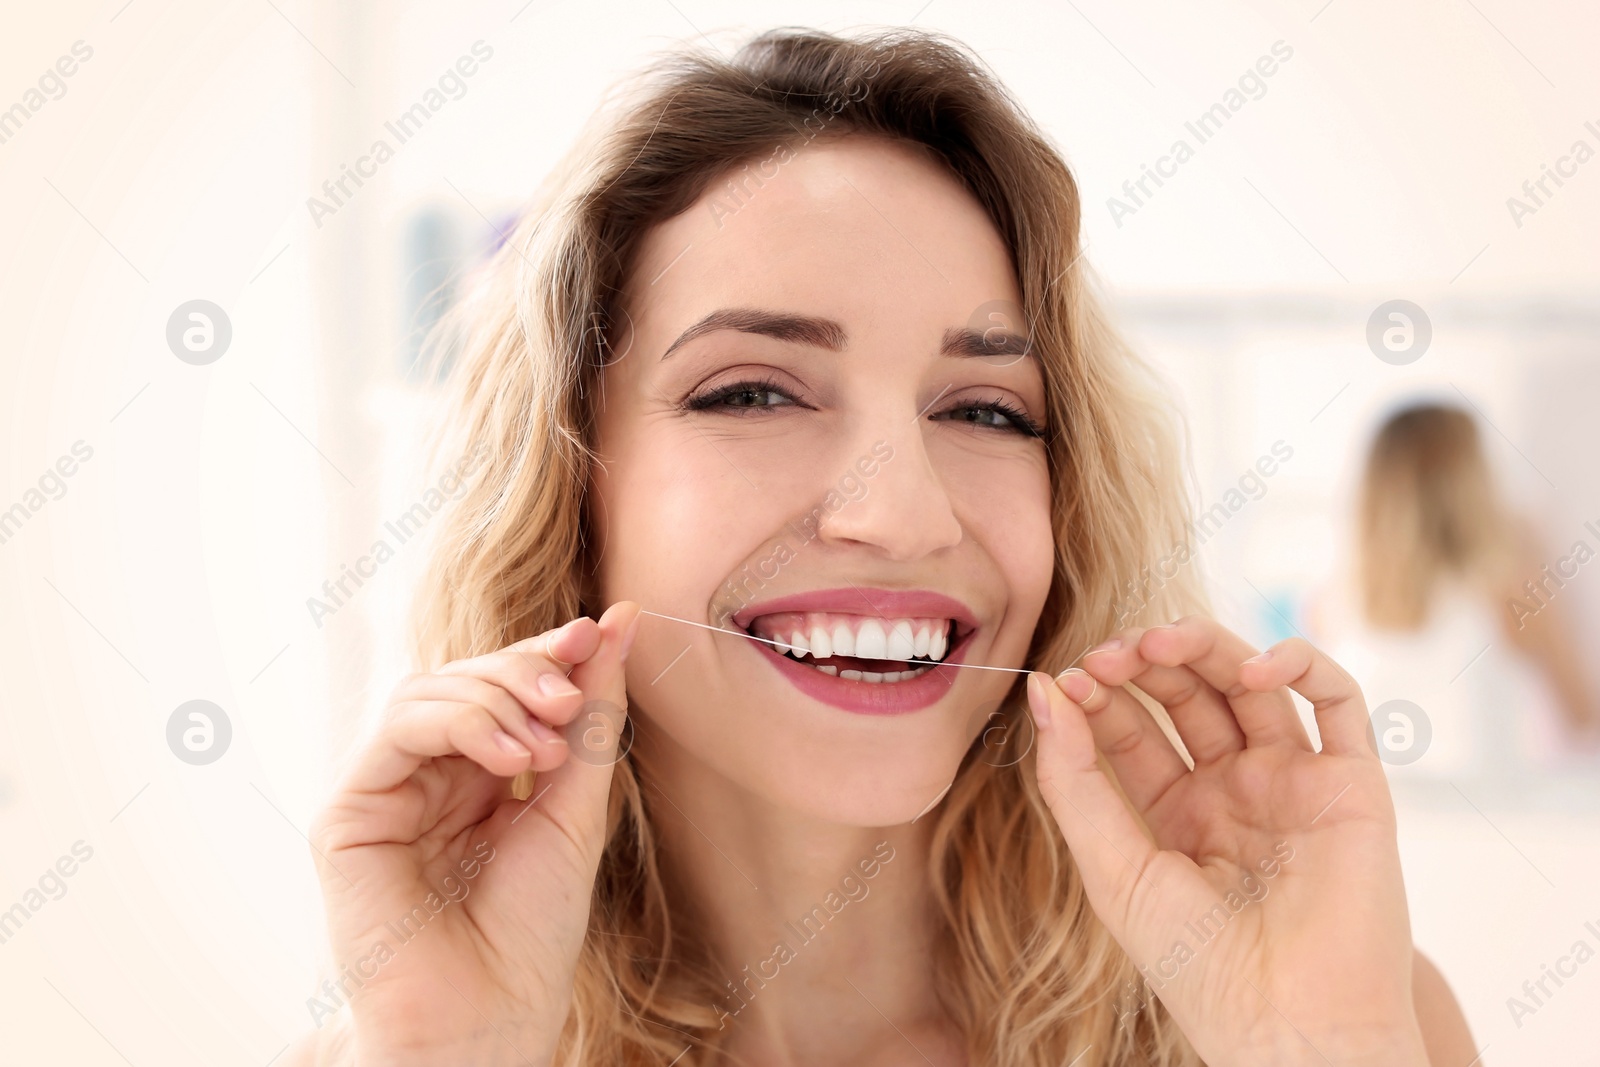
pixel 676 519
pixel 1035 550
pixel 1024 550
pixel 1007 508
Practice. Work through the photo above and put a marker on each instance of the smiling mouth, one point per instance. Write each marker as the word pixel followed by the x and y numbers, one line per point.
pixel 857 647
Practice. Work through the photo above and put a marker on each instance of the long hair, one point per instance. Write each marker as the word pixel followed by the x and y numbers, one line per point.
pixel 1428 512
pixel 1027 970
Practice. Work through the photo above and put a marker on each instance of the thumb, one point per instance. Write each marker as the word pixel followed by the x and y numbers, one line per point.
pixel 596 730
pixel 1108 845
pixel 580 786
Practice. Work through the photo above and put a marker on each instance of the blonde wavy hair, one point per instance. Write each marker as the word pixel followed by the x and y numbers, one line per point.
pixel 1027 970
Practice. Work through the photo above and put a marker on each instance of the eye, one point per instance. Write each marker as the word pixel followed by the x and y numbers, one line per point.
pixel 996 414
pixel 741 397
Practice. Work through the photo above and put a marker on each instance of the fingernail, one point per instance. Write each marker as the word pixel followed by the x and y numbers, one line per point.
pixel 1261 658
pixel 553 637
pixel 544 733
pixel 556 685
pixel 510 744
pixel 1038 699
pixel 1106 646
pixel 1077 684
pixel 627 638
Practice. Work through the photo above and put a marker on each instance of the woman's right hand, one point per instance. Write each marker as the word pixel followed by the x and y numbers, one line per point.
pixel 459 910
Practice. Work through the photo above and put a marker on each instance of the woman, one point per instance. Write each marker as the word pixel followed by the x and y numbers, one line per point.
pixel 758 367
pixel 1456 613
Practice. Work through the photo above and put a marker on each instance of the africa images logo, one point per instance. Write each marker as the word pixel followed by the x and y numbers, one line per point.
pixel 451 85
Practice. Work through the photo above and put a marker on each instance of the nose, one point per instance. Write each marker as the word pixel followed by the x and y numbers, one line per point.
pixel 901 507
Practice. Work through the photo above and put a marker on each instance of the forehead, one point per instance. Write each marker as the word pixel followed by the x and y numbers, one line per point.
pixel 869 231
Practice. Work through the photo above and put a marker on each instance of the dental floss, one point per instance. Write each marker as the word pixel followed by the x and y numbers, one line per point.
pixel 768 641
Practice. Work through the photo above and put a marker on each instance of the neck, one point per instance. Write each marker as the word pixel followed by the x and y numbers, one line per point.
pixel 806 919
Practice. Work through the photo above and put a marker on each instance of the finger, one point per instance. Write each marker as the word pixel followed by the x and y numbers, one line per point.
pixel 1140 755
pixel 1201 716
pixel 459 793
pixel 1335 698
pixel 563 647
pixel 512 712
pixel 579 787
pixel 1107 843
pixel 1119 645
pixel 1214 653
pixel 600 675
pixel 539 683
pixel 415 731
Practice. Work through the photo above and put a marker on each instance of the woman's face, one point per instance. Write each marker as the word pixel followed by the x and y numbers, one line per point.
pixel 810 438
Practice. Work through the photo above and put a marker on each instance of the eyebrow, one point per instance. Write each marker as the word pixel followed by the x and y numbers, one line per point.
pixel 826 333
pixel 991 342
pixel 800 329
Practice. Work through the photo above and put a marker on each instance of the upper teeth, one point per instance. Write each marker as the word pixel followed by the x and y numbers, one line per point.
pixel 824 634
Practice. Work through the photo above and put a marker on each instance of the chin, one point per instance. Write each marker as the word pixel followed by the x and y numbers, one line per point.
pixel 863 804
pixel 846 769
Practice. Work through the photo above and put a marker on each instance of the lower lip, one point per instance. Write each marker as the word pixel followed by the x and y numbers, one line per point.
pixel 870 698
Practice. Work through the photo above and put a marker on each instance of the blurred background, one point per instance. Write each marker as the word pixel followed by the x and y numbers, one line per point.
pixel 209 412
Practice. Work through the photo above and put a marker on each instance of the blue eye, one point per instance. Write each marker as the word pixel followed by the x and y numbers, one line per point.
pixel 751 396
pixel 996 415
pixel 742 396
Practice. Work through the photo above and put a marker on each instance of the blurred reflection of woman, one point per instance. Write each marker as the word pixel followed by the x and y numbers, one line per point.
pixel 1444 617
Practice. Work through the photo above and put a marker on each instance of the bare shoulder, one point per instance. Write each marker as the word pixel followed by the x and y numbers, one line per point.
pixel 1444 1027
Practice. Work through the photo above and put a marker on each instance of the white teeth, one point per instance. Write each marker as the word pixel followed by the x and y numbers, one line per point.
pixel 874 676
pixel 871 642
pixel 828 669
pixel 821 635
pixel 901 644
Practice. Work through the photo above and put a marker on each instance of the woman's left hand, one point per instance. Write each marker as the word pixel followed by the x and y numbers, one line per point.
pixel 1268 914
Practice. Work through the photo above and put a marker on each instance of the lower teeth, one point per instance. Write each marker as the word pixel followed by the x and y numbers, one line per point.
pixel 871 676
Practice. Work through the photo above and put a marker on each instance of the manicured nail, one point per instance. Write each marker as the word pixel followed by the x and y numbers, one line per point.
pixel 1077 684
pixel 556 685
pixel 510 744
pixel 1106 646
pixel 552 637
pixel 1261 658
pixel 1038 698
pixel 544 733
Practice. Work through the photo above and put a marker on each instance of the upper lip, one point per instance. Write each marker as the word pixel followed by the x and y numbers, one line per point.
pixel 866 600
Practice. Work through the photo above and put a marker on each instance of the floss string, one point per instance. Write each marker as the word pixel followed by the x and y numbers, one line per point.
pixel 768 641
